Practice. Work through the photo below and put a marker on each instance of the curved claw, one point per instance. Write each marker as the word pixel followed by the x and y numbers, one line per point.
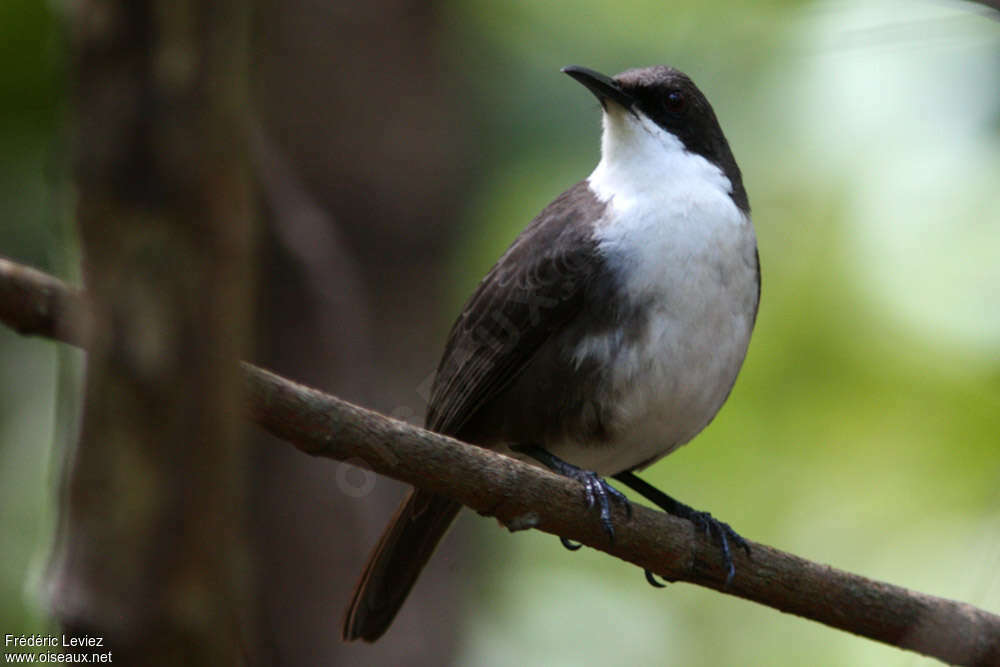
pixel 597 492
pixel 740 542
pixel 651 578
pixel 727 556
pixel 569 544
pixel 724 533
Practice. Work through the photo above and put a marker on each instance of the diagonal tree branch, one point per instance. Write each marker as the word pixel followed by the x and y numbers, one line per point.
pixel 523 496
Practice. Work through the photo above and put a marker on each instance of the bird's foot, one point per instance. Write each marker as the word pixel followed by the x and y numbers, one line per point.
pixel 597 492
pixel 721 531
pixel 702 521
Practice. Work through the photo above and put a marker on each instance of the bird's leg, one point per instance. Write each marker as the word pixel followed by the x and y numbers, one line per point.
pixel 701 520
pixel 596 490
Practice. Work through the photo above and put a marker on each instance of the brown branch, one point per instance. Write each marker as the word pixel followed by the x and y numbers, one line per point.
pixel 523 496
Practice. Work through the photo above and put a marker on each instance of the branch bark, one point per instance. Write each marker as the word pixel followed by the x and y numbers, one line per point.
pixel 523 496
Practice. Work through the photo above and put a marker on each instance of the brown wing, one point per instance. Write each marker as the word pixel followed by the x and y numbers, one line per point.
pixel 535 288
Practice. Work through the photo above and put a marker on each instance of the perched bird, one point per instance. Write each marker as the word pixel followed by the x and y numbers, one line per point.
pixel 607 335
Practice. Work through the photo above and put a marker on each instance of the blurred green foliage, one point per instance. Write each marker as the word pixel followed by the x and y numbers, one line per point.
pixel 31 113
pixel 863 431
pixel 34 229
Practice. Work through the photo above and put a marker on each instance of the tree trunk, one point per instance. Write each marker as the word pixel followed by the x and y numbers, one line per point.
pixel 150 553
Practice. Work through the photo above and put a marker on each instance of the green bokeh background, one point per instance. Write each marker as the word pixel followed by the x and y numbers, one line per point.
pixel 34 228
pixel 864 429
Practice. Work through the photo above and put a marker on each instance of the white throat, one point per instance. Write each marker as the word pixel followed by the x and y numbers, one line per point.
pixel 669 211
pixel 638 157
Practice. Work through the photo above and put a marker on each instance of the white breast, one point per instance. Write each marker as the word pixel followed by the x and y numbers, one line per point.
pixel 678 243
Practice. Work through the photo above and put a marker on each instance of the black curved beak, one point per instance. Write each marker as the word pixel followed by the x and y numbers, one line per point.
pixel 603 87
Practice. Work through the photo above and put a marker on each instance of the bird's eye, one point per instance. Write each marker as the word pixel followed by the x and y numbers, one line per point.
pixel 675 101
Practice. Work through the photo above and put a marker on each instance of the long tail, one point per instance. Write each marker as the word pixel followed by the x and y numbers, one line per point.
pixel 393 567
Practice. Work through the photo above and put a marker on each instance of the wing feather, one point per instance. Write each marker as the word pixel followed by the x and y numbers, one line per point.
pixel 536 287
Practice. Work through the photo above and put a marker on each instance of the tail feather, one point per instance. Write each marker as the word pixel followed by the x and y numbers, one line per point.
pixel 396 562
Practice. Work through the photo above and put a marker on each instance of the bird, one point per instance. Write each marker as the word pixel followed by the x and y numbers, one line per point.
pixel 609 333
